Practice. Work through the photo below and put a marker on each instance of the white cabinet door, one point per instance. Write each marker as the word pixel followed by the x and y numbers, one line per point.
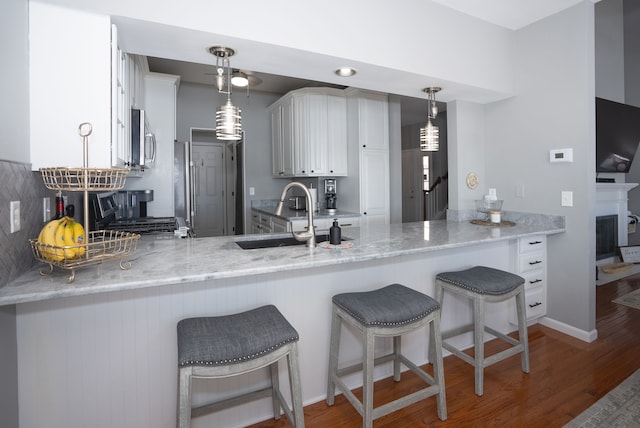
pixel 336 136
pixel 374 121
pixel 69 86
pixel 282 135
pixel 374 186
pixel 121 104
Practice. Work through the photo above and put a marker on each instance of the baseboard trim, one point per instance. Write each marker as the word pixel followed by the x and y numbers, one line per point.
pixel 586 336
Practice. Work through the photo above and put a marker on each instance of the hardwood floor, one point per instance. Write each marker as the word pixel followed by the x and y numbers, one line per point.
pixel 567 376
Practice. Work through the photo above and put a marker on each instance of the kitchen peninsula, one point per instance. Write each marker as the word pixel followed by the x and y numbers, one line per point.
pixel 102 350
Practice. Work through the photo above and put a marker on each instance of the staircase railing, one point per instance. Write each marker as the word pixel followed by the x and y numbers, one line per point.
pixel 436 199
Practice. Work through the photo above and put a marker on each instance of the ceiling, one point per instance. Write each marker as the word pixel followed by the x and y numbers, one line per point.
pixel 511 14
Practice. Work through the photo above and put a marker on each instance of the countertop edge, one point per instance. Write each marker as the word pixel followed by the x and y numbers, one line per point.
pixel 55 286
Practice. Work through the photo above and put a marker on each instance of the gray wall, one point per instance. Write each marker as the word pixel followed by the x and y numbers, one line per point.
pixel 553 109
pixel 14 146
pixel 14 81
pixel 197 108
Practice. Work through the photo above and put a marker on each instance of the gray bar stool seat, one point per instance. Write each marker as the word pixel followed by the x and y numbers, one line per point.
pixel 231 345
pixel 387 312
pixel 484 284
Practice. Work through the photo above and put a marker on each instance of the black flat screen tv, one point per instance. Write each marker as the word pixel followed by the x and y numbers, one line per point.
pixel 617 135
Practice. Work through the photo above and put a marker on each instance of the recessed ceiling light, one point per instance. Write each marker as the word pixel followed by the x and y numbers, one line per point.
pixel 345 71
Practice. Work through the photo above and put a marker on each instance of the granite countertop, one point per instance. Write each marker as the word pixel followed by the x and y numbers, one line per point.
pixel 158 262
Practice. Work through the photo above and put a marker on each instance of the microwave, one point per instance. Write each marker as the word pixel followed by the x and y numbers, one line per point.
pixel 143 141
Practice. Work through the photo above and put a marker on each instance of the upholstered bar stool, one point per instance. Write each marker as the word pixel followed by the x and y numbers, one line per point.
pixel 387 312
pixel 484 284
pixel 218 347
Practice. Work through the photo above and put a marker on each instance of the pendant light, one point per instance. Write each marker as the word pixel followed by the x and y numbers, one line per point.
pixel 228 117
pixel 430 134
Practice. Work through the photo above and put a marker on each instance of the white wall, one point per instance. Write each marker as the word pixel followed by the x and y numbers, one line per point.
pixel 554 109
pixel 14 81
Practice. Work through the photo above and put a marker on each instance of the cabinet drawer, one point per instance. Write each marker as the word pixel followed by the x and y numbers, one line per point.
pixel 535 303
pixel 531 243
pixel 533 279
pixel 533 261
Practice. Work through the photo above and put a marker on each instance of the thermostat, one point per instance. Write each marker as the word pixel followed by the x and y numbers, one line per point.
pixel 561 155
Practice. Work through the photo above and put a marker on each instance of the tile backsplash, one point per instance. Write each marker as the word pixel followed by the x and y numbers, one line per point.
pixel 19 183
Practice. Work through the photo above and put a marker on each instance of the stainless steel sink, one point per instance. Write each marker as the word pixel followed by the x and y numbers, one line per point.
pixel 278 241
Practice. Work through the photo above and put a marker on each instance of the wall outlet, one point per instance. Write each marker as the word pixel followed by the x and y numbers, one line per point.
pixel 14 216
pixel 567 198
pixel 46 209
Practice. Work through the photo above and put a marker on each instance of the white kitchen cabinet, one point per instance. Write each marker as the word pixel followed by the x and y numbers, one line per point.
pixel 367 186
pixel 282 138
pixel 531 265
pixel 121 103
pixel 69 86
pixel 309 133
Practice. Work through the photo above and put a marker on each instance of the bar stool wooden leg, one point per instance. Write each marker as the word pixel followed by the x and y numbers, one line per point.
pixel 275 386
pixel 523 336
pixel 367 378
pixel 478 345
pixel 435 343
pixel 397 347
pixel 334 349
pixel 295 385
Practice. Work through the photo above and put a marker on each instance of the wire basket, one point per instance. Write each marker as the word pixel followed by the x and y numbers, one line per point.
pixel 90 179
pixel 102 245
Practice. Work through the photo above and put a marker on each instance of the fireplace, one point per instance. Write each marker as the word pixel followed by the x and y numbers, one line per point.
pixel 606 236
pixel 611 201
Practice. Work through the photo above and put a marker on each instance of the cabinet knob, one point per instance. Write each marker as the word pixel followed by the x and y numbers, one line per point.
pixel 364 145
pixel 365 213
pixel 331 171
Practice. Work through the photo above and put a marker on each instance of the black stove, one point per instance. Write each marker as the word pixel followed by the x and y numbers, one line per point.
pixel 105 213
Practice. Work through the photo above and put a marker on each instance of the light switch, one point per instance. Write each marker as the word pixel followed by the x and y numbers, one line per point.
pixel 567 198
pixel 14 216
pixel 252 191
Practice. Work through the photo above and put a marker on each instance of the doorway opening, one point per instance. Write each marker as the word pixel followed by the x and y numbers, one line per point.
pixel 215 184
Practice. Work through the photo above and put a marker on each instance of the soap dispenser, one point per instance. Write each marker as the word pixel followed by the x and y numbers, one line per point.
pixel 335 233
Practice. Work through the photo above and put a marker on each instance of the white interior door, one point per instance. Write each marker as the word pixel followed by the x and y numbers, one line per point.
pixel 209 185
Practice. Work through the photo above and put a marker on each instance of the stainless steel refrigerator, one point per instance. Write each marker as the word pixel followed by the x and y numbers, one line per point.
pixel 183 184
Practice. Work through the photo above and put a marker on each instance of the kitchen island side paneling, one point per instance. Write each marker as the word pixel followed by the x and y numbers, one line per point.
pixel 110 360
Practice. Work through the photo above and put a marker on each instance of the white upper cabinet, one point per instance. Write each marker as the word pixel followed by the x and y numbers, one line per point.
pixel 309 133
pixel 70 83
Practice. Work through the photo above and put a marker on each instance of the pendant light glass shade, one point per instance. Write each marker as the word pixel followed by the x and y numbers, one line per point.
pixel 228 116
pixel 228 122
pixel 430 134
pixel 430 137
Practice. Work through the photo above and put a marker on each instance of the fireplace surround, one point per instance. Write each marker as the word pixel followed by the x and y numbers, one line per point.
pixel 611 201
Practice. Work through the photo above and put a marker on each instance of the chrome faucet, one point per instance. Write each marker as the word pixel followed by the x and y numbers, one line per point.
pixel 310 235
